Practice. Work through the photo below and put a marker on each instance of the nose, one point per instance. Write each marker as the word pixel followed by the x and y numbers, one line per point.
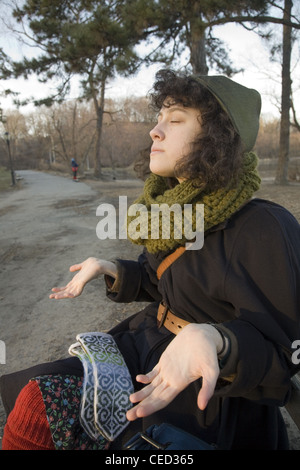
pixel 156 133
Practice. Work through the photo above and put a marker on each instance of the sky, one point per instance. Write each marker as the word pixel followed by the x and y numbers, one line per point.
pixel 246 50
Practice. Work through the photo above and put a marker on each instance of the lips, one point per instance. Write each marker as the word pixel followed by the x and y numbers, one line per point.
pixel 156 149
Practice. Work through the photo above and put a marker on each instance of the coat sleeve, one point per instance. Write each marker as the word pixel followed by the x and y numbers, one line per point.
pixel 262 283
pixel 136 281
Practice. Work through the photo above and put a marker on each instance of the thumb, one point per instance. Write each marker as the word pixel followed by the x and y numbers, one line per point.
pixel 206 392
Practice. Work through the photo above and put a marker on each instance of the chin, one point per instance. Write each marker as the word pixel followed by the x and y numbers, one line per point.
pixel 159 171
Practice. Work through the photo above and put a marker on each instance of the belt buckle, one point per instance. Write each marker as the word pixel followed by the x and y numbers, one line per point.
pixel 164 315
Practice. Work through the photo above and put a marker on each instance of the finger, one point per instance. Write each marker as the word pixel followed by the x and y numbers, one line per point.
pixel 158 399
pixel 62 295
pixel 147 378
pixel 75 267
pixel 141 394
pixel 62 292
pixel 146 391
pixel 138 411
pixel 58 289
pixel 131 414
pixel 152 379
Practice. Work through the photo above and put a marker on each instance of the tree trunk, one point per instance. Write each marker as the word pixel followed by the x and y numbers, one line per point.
pixel 283 157
pixel 197 42
pixel 97 158
pixel 99 108
pixel 198 53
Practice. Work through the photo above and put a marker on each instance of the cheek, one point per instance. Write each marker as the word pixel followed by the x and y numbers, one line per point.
pixel 186 143
pixel 191 138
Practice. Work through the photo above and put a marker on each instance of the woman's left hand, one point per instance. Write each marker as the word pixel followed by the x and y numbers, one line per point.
pixel 191 355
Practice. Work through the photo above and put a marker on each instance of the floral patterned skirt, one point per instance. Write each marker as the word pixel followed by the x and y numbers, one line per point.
pixel 62 397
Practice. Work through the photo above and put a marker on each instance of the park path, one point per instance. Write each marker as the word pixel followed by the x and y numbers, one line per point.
pixel 29 210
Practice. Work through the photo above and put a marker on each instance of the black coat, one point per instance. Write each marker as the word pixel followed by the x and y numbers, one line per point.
pixel 246 278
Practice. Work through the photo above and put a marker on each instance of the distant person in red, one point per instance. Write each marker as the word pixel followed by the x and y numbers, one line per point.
pixel 74 168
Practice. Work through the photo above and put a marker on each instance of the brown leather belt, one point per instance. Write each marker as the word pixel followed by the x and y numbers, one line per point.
pixel 167 319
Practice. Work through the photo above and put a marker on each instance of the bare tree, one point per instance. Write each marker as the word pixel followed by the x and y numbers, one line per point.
pixel 283 157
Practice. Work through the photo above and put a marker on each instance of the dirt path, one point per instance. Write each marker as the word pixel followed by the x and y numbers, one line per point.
pixel 46 226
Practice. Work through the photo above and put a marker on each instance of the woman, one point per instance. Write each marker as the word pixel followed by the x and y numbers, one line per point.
pixel 211 353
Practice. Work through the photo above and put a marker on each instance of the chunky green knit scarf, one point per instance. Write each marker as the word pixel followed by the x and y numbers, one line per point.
pixel 218 205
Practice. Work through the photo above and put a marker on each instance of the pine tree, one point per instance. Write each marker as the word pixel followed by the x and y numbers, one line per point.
pixel 78 37
pixel 181 24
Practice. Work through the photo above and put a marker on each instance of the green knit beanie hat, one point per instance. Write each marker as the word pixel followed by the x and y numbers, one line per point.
pixel 242 104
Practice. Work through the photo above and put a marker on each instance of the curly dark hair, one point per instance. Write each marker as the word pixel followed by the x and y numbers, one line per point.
pixel 216 157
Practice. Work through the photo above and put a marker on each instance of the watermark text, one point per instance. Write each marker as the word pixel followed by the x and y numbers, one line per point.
pixel 296 353
pixel 162 221
pixel 2 352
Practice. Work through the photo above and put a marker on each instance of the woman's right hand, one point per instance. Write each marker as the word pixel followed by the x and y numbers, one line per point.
pixel 190 355
pixel 89 269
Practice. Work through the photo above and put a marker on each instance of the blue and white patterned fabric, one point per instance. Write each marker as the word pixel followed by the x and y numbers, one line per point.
pixel 107 385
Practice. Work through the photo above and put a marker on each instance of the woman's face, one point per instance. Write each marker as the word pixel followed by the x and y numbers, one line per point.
pixel 176 130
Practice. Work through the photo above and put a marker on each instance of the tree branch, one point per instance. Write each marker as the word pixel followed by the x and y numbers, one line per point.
pixel 252 19
pixel 295 123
